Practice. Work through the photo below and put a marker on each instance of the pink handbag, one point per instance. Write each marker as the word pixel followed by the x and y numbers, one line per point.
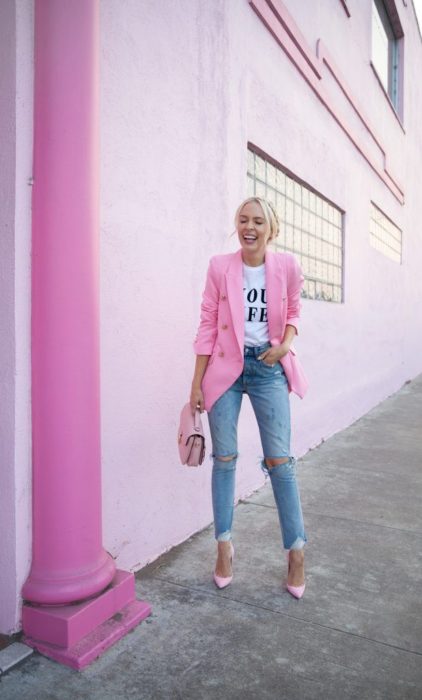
pixel 191 437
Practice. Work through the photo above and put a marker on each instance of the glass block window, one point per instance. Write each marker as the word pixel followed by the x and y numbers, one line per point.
pixel 385 55
pixel 310 227
pixel 385 236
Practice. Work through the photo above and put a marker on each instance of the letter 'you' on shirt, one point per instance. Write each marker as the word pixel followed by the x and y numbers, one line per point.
pixel 255 304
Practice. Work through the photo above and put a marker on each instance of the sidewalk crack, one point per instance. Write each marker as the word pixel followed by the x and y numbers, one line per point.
pixel 292 617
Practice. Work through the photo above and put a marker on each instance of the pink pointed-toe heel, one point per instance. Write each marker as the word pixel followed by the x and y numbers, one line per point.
pixel 295 591
pixel 223 581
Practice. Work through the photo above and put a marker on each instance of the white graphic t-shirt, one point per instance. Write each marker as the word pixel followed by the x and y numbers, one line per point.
pixel 255 301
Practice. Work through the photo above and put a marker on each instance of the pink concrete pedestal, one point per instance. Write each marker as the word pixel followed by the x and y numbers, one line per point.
pixel 77 634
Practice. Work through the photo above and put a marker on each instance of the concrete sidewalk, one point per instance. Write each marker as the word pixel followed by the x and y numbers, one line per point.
pixel 357 633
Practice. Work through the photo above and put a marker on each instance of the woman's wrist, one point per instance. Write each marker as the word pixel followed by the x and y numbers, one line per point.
pixel 284 348
pixel 199 371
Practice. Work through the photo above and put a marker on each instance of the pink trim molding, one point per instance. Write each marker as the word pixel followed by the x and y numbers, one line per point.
pixel 281 25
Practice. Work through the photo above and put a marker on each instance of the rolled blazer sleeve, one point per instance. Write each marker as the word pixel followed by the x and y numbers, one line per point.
pixel 207 331
pixel 295 281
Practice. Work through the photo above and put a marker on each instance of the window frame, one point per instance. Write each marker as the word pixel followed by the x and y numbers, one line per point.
pixel 387 239
pixel 389 19
pixel 318 241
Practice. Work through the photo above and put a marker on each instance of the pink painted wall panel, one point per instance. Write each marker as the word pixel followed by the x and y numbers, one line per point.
pixel 7 311
pixel 177 115
pixel 164 211
pixel 23 195
pixel 15 242
pixel 184 87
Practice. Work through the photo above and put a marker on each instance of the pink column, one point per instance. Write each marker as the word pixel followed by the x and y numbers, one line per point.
pixel 69 562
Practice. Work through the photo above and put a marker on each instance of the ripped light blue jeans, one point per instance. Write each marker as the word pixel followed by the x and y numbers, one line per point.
pixel 268 391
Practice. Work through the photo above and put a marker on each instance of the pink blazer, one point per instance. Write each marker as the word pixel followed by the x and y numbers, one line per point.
pixel 221 330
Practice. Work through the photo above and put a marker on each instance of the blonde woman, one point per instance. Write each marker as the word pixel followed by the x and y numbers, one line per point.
pixel 249 318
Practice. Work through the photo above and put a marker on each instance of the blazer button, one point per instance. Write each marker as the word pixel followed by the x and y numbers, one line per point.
pixel 224 326
pixel 223 297
pixel 221 354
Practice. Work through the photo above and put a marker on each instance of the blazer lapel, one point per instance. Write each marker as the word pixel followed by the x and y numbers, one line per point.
pixel 234 285
pixel 275 293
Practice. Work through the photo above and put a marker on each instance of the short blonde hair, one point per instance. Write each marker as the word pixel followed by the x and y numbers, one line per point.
pixel 270 214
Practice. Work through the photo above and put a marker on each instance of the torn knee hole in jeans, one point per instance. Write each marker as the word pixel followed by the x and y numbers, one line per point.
pixel 225 459
pixel 269 463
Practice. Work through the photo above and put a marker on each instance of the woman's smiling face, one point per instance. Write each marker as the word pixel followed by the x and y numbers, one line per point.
pixel 252 229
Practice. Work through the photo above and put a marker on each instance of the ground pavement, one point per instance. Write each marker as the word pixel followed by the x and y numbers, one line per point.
pixel 357 632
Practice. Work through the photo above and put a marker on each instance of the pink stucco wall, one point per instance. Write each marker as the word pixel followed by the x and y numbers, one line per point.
pixel 15 244
pixel 180 100
pixel 184 87
pixel 7 340
pixel 164 209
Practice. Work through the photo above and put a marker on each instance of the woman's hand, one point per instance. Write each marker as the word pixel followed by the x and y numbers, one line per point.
pixel 273 355
pixel 196 399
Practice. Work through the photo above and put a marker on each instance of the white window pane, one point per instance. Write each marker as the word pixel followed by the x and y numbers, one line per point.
pixel 379 46
pixel 310 227
pixel 384 236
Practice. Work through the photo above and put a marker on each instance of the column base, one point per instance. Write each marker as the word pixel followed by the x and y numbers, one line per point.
pixel 65 591
pixel 75 635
